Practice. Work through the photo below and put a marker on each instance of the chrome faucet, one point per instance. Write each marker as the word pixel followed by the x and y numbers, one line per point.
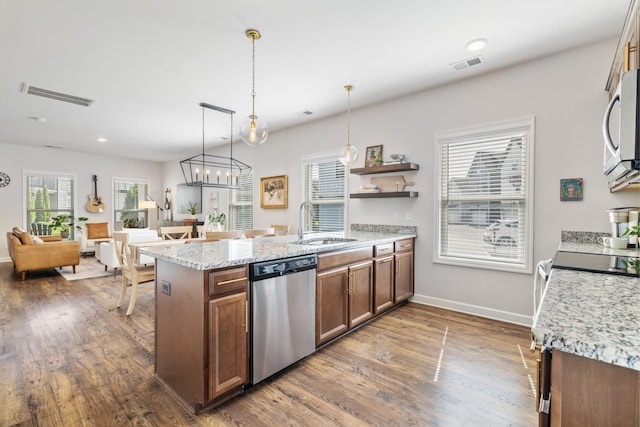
pixel 313 215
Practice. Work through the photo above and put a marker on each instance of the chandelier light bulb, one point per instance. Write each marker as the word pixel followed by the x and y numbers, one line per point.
pixel 253 131
pixel 348 154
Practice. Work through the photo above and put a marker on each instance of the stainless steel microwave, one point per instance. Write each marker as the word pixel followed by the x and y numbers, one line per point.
pixel 622 119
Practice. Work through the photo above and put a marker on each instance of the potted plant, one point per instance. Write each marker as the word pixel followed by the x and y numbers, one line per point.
pixel 193 208
pixel 216 220
pixel 131 222
pixel 64 222
pixel 633 231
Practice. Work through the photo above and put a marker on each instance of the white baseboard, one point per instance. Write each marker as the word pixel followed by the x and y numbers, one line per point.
pixel 5 259
pixel 489 313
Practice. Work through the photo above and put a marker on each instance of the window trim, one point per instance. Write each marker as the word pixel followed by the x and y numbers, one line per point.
pixel 503 128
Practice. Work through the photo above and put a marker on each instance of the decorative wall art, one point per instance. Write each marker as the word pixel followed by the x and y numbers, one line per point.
pixel 373 156
pixel 571 190
pixel 273 192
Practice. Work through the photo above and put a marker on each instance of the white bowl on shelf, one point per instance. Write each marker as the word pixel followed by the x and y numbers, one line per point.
pixel 369 187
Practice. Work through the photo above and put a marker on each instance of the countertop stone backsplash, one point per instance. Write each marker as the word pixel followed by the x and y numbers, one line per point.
pixel 381 228
pixel 582 236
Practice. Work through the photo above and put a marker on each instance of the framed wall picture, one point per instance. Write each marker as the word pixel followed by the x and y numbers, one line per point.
pixel 571 189
pixel 373 156
pixel 273 192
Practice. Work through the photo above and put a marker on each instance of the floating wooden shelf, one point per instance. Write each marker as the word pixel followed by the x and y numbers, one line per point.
pixel 383 195
pixel 396 167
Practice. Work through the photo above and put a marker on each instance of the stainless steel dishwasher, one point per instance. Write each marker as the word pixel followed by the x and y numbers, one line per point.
pixel 283 314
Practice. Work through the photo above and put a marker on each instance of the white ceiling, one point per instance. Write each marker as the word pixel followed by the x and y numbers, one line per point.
pixel 149 63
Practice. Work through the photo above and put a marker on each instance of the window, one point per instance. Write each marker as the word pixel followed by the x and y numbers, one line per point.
pixel 127 194
pixel 241 204
pixel 484 179
pixel 325 187
pixel 47 196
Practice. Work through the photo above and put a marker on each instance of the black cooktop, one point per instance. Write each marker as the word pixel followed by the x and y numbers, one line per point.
pixel 597 263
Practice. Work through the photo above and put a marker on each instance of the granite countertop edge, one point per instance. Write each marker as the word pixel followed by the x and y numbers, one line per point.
pixel 575 314
pixel 229 253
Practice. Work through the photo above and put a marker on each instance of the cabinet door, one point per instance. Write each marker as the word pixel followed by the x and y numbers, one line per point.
pixel 404 276
pixel 360 293
pixel 227 344
pixel 383 284
pixel 331 304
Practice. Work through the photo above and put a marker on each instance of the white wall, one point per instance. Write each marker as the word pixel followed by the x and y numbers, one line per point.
pixel 564 92
pixel 566 95
pixel 15 159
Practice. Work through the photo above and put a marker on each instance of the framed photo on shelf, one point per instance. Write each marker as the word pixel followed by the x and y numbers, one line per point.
pixel 571 189
pixel 373 156
pixel 273 192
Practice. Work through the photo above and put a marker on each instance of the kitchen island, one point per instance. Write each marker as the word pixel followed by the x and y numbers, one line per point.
pixel 588 326
pixel 202 301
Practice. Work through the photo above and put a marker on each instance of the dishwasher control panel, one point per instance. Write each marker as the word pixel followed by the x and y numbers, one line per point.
pixel 280 267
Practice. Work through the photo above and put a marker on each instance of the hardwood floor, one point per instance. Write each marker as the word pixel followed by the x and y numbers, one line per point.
pixel 68 357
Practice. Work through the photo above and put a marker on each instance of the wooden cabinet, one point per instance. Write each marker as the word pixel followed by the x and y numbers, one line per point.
pixel 627 56
pixel 383 278
pixel 403 282
pixel 227 344
pixel 201 336
pixel 587 392
pixel 344 292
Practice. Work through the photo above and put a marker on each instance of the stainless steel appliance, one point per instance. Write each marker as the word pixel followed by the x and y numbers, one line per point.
pixel 622 156
pixel 283 301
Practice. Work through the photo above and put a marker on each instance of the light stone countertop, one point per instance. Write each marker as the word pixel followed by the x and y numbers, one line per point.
pixel 226 253
pixel 593 315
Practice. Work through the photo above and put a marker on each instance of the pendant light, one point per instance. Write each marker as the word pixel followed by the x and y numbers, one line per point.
pixel 253 130
pixel 349 153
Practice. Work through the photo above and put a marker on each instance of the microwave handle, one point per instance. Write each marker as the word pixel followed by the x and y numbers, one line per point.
pixel 605 125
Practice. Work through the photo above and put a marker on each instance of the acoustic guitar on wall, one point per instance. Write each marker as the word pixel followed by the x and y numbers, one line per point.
pixel 95 204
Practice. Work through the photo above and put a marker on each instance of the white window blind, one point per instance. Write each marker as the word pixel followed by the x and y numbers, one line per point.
pixel 325 187
pixel 241 204
pixel 484 189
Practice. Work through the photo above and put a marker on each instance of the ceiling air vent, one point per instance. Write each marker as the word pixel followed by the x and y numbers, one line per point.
pixel 58 96
pixel 469 62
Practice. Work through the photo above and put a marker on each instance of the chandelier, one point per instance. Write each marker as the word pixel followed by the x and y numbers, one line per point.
pixel 208 170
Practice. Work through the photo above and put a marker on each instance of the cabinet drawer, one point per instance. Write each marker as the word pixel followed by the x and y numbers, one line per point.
pixel 404 245
pixel 227 281
pixel 383 249
pixel 336 259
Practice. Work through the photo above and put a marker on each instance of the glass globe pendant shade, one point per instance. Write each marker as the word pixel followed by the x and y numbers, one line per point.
pixel 253 130
pixel 348 154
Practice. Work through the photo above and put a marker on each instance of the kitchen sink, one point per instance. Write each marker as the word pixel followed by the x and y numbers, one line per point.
pixel 318 241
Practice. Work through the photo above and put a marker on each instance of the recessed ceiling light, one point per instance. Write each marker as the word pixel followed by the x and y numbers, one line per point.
pixel 101 139
pixel 476 44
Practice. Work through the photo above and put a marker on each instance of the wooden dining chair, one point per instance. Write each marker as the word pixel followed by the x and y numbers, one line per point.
pixel 280 230
pixel 257 232
pixel 176 232
pixel 132 274
pixel 224 235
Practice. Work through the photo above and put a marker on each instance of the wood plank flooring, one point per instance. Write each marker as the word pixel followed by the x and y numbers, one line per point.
pixel 68 357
